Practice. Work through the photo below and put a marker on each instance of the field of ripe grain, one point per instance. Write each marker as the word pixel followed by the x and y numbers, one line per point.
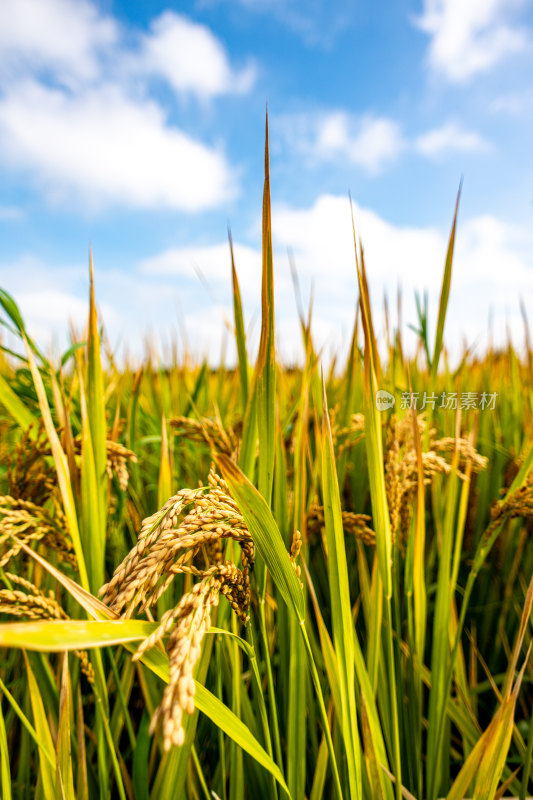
pixel 265 583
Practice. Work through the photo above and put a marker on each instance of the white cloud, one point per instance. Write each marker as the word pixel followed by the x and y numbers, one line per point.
pixel 105 147
pixel 77 115
pixel 11 213
pixel 367 141
pixel 470 37
pixel 513 103
pixel 190 58
pixel 60 35
pixel 450 137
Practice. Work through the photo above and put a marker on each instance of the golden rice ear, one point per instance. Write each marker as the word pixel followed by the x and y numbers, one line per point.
pixel 31 523
pixel 168 542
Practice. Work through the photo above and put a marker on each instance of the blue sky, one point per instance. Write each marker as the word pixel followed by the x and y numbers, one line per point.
pixel 139 127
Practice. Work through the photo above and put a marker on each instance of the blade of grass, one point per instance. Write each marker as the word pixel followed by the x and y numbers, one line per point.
pixel 5 769
pixel 97 422
pixel 247 450
pixel 49 636
pixel 319 777
pixel 415 591
pixel 341 609
pixel 240 336
pixel 265 369
pixel 40 742
pixel 372 764
pixel 265 533
pixel 444 295
pixel 82 782
pixel 13 312
pixel 380 509
pixel 14 405
pixel 92 542
pixel 46 750
pixel 296 713
pixel 296 727
pixel 65 776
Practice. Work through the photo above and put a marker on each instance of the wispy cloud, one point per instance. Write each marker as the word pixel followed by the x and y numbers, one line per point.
pixel 471 37
pixel 11 213
pixel 449 138
pixel 367 141
pixel 514 103
pixel 315 22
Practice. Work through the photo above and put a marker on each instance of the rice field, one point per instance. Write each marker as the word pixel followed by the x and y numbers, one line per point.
pixel 263 582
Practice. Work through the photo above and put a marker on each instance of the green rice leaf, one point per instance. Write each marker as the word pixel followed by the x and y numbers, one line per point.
pixel 41 744
pixel 97 422
pixel 5 769
pixel 48 636
pixel 341 608
pixel 92 542
pixel 47 758
pixel 14 405
pixel 266 368
pixel 444 295
pixel 240 336
pixel 265 533
pixel 12 311
pixel 65 776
